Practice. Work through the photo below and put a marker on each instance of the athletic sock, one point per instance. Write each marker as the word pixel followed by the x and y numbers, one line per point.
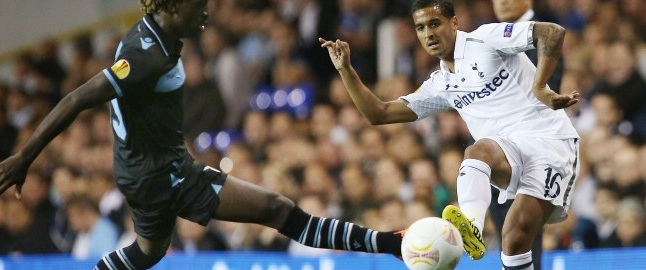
pixel 517 262
pixel 329 233
pixel 128 258
pixel 474 193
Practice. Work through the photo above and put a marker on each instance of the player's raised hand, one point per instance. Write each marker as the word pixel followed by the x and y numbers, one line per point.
pixel 13 171
pixel 564 101
pixel 339 52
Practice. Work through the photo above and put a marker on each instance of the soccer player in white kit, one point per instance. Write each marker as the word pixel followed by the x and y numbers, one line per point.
pixel 525 144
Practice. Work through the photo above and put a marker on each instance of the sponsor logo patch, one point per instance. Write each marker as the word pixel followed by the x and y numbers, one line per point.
pixel 146 43
pixel 121 68
pixel 508 29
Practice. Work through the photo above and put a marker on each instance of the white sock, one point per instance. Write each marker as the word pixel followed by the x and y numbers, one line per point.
pixel 517 262
pixel 474 192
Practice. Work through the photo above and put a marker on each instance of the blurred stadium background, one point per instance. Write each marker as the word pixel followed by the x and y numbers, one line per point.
pixel 265 104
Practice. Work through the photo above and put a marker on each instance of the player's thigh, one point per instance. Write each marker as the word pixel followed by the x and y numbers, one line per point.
pixel 492 152
pixel 525 218
pixel 241 201
pixel 153 222
pixel 549 173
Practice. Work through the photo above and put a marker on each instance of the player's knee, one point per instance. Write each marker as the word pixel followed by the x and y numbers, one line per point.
pixel 278 207
pixel 477 151
pixel 146 254
pixel 153 248
pixel 153 260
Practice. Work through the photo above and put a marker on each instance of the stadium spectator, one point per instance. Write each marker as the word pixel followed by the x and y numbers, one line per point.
pixel 626 86
pixel 390 182
pixel 427 185
pixel 191 238
pixel 519 11
pixel 205 108
pixel 356 193
pixel 606 202
pixel 95 235
pixel 630 230
pixel 240 42
pixel 225 74
pixel 8 132
pixel 22 234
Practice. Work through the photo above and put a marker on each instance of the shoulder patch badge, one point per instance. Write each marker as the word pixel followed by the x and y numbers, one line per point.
pixel 121 68
pixel 508 29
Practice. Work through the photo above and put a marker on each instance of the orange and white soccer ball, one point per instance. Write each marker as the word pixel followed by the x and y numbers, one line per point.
pixel 432 244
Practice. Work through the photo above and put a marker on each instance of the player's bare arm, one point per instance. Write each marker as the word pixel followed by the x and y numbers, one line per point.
pixel 548 38
pixel 94 92
pixel 371 107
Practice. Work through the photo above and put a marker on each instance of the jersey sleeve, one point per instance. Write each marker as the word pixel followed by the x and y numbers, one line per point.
pixel 426 101
pixel 132 68
pixel 507 38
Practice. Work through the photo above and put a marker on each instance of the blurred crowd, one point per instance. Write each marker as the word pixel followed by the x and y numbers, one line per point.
pixel 264 103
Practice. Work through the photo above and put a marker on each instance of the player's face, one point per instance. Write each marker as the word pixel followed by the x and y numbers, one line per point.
pixel 435 32
pixel 510 10
pixel 191 16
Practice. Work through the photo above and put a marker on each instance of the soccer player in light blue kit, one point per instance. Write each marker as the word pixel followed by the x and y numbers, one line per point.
pixel 525 144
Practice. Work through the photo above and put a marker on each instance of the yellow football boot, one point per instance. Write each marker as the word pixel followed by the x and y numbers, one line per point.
pixel 471 236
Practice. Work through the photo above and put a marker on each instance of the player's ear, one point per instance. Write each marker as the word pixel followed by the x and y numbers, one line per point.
pixel 454 22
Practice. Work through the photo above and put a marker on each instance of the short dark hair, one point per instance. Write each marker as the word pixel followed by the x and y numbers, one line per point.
pixel 156 6
pixel 445 6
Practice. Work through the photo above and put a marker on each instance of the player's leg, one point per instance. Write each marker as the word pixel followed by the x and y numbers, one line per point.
pixel 241 201
pixel 142 254
pixel 153 239
pixel 523 223
pixel 484 162
pixel 499 212
pixel 550 170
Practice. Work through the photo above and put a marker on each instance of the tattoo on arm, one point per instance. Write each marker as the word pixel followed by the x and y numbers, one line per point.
pixel 549 38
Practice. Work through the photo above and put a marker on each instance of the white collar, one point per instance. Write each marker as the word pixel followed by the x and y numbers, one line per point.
pixel 527 16
pixel 458 52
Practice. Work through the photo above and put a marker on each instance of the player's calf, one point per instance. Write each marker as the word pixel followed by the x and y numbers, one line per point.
pixel 129 258
pixel 330 233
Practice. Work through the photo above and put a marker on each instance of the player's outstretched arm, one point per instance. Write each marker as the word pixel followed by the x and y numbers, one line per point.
pixel 371 107
pixel 549 38
pixel 94 92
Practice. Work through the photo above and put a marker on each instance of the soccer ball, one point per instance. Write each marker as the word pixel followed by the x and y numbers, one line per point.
pixel 431 244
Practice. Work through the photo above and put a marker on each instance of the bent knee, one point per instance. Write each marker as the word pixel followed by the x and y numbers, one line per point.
pixel 277 209
pixel 279 204
pixel 154 249
pixel 486 151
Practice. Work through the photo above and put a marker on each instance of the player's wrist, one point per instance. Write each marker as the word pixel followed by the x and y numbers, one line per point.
pixel 344 69
pixel 23 159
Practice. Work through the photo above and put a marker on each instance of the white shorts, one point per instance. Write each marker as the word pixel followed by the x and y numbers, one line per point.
pixel 546 169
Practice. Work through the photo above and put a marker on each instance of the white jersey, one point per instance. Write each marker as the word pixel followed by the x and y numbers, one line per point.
pixel 492 86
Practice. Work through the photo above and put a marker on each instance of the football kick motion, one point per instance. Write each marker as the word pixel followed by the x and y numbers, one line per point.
pixel 152 167
pixel 525 144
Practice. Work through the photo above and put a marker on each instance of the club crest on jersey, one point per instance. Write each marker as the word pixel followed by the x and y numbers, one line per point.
pixel 474 67
pixel 508 29
pixel 121 68
pixel 462 101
